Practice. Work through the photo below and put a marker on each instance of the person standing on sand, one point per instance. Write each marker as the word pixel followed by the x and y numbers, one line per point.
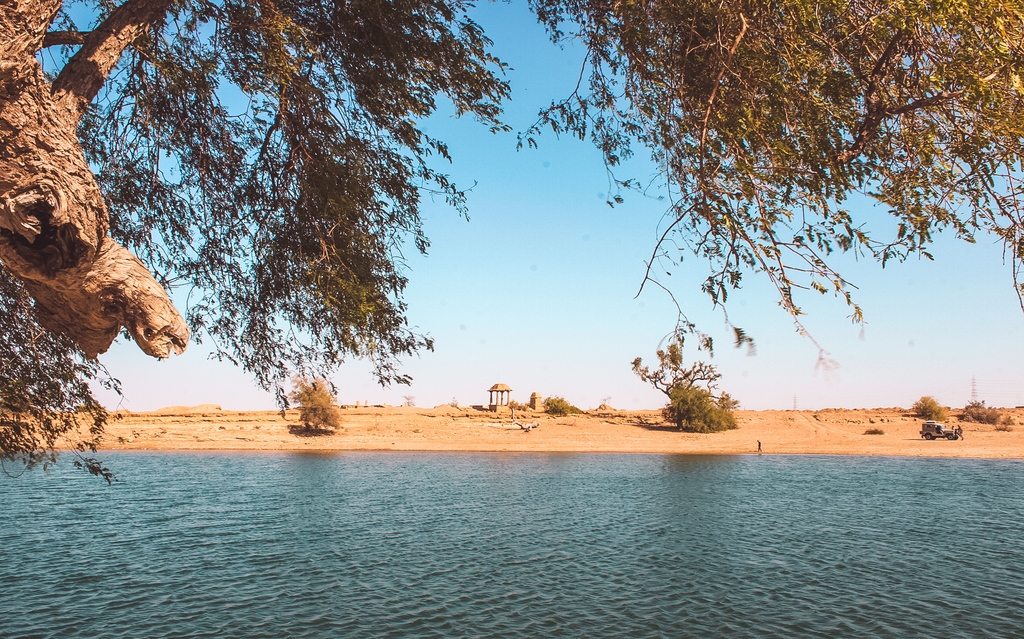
pixel 759 445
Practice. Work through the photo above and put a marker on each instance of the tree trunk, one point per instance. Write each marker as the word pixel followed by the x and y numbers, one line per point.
pixel 53 220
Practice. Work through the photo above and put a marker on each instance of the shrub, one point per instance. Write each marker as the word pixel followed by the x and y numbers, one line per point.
pixel 454 403
pixel 514 405
pixel 977 412
pixel 874 431
pixel 695 410
pixel 317 409
pixel 1006 427
pixel 558 407
pixel 928 408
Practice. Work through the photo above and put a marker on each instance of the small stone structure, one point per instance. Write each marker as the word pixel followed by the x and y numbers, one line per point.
pixel 536 403
pixel 499 397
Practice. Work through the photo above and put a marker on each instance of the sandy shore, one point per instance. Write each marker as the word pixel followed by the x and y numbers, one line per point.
pixel 444 428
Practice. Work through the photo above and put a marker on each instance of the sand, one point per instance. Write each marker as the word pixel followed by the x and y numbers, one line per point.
pixel 444 428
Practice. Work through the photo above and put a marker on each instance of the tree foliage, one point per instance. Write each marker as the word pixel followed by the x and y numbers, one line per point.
pixel 928 408
pixel 976 411
pixel 766 118
pixel 695 410
pixel 45 399
pixel 318 408
pixel 692 404
pixel 560 407
pixel 268 157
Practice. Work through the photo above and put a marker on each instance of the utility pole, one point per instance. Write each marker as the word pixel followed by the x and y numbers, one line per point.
pixel 794 402
pixel 974 389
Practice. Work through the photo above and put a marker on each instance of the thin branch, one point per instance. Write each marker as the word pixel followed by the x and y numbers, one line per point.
pixel 714 91
pixel 657 248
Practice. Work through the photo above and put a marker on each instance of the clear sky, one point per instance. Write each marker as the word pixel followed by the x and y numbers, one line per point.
pixel 538 288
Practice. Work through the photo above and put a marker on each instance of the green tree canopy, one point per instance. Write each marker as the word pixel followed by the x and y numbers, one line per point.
pixel 268 158
pixel 765 118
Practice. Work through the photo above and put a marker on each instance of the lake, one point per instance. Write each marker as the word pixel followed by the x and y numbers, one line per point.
pixel 514 545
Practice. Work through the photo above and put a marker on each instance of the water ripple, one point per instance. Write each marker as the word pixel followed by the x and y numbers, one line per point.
pixel 489 545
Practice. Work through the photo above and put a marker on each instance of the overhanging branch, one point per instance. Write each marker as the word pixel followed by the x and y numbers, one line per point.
pixel 84 74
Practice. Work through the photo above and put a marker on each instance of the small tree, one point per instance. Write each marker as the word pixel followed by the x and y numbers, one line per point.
pixel 692 404
pixel 317 409
pixel 928 408
pixel 558 407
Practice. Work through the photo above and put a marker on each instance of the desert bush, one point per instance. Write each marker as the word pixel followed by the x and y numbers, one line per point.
pixel 1006 426
pixel 454 403
pixel 928 408
pixel 874 431
pixel 695 410
pixel 558 407
pixel 977 412
pixel 514 405
pixel 317 409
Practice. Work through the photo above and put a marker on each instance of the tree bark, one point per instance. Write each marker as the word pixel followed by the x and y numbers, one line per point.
pixel 53 220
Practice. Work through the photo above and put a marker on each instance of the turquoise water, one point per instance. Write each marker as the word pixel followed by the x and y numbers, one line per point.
pixel 514 545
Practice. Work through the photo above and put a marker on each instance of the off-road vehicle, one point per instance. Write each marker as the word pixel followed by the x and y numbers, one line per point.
pixel 932 429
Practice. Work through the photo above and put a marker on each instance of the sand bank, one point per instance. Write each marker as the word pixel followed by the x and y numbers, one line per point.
pixel 444 428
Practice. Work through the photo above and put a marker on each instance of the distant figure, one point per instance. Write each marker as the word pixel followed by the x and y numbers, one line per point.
pixel 759 445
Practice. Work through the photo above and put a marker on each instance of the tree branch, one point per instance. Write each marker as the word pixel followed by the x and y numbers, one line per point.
pixel 938 98
pixel 84 74
pixel 874 105
pixel 58 38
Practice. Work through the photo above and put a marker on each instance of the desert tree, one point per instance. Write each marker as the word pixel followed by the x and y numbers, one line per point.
pixel 317 402
pixel 693 404
pixel 929 408
pixel 263 158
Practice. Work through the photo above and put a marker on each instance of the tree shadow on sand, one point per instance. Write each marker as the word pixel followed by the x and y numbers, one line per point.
pixel 657 424
pixel 303 431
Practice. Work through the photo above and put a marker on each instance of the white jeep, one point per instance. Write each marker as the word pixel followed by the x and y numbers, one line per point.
pixel 932 429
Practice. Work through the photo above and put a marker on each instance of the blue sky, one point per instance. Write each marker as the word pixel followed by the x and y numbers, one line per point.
pixel 537 290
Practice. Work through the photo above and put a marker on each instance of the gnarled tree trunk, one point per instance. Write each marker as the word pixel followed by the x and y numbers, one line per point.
pixel 53 221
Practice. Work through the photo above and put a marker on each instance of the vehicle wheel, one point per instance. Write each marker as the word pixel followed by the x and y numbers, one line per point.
pixel 951 438
pixel 929 436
